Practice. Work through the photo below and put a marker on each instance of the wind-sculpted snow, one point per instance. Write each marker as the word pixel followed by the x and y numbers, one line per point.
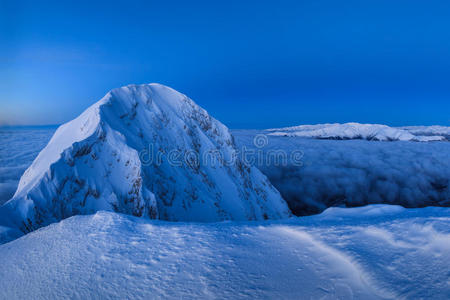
pixel 374 252
pixel 141 150
pixel 326 173
pixel 371 132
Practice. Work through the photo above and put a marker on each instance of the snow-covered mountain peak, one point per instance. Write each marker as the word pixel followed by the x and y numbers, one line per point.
pixel 116 108
pixel 145 150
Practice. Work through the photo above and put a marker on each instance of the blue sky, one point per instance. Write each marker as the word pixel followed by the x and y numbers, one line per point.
pixel 251 64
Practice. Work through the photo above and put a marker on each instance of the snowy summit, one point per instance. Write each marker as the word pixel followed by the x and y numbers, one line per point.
pixel 140 150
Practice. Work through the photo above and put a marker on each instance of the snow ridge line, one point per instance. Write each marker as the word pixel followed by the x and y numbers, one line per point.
pixel 343 260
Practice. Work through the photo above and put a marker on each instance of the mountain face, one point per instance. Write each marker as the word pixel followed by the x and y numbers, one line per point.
pixel 372 132
pixel 147 151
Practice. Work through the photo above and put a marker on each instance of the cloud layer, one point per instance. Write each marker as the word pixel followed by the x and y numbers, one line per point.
pixel 18 148
pixel 355 172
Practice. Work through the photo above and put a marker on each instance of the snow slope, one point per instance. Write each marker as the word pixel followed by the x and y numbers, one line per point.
pixel 373 252
pixel 351 172
pixel 140 150
pixel 373 132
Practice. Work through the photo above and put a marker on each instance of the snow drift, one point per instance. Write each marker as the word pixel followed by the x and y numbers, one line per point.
pixel 96 162
pixel 374 252
pixel 372 132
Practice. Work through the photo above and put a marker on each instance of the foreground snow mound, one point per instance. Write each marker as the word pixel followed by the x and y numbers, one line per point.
pixel 350 131
pixel 374 252
pixel 144 150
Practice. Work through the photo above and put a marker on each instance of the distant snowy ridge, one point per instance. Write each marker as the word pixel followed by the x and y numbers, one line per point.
pixel 372 132
pixel 95 163
pixel 428 130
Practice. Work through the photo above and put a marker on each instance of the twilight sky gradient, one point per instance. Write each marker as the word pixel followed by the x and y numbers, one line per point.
pixel 251 64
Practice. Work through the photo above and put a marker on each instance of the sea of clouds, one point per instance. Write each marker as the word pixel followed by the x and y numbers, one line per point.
pixel 352 172
pixel 18 148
